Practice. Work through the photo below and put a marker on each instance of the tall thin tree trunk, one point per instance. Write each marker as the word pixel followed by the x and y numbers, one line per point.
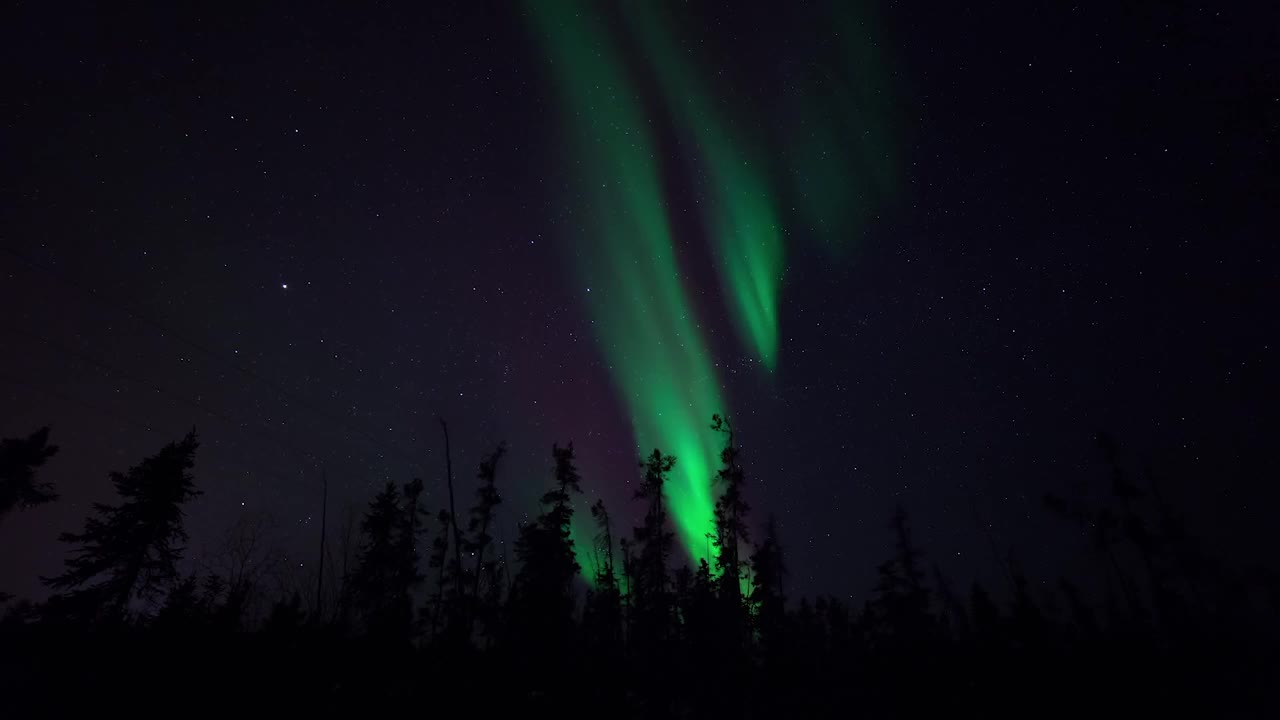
pixel 453 514
pixel 475 588
pixel 324 514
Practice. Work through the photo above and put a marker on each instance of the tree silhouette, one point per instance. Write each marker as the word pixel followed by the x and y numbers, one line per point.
pixel 486 585
pixel 407 555
pixel 731 532
pixel 247 558
pixel 768 597
pixel 648 641
pixel 602 611
pixel 730 513
pixel 651 592
pixel 604 573
pixel 286 616
pixel 901 603
pixel 437 561
pixel 182 609
pixel 19 460
pixel 696 598
pixel 387 571
pixel 542 601
pixel 131 550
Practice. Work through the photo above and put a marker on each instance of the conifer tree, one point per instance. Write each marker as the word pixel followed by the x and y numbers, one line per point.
pixel 653 540
pixel 131 550
pixel 543 599
pixel 731 533
pixel 438 562
pixel 768 598
pixel 373 581
pixel 901 603
pixel 730 514
pixel 19 460
pixel 387 570
pixel 487 500
pixel 602 614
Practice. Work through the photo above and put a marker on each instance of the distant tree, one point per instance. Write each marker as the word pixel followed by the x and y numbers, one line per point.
pixel 286 616
pixel 223 603
pixel 382 585
pixel 651 592
pixel 486 584
pixel 248 560
pixel 19 459
pixel 602 613
pixel 731 534
pixel 699 608
pixel 182 608
pixel 901 602
pixel 956 619
pixel 768 596
pixel 703 639
pixel 542 595
pixel 605 569
pixel 988 623
pixel 1083 617
pixel 1028 625
pixel 410 531
pixel 730 514
pixel 628 576
pixel 374 579
pixel 197 603
pixel 438 562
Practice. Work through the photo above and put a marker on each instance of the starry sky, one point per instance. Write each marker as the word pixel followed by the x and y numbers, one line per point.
pixel 920 254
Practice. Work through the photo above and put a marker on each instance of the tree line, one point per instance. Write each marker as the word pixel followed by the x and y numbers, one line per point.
pixel 430 612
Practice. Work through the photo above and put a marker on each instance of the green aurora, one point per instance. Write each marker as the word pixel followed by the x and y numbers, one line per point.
pixel 741 217
pixel 834 144
pixel 823 174
pixel 640 310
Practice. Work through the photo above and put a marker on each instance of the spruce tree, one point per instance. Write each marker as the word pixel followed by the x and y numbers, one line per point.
pixel 438 562
pixel 731 533
pixel 654 541
pixel 381 587
pixel 543 598
pixel 730 514
pixel 602 613
pixel 901 604
pixel 19 459
pixel 484 581
pixel 130 551
pixel 768 599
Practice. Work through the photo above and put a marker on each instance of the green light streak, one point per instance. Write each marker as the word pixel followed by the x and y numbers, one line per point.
pixel 741 217
pixel 584 546
pixel 835 133
pixel 640 310
pixel 831 157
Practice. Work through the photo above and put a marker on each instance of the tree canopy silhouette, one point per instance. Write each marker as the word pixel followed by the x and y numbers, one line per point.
pixel 19 460
pixel 659 639
pixel 130 550
pixel 542 602
pixel 381 587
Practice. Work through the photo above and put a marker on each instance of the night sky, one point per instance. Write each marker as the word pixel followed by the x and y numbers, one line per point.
pixel 919 253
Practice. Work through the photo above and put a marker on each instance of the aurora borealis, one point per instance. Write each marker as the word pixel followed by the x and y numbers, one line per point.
pixel 624 248
pixel 627 266
pixel 741 219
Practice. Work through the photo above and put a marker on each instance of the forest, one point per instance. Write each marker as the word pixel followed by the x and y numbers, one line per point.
pixel 424 614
